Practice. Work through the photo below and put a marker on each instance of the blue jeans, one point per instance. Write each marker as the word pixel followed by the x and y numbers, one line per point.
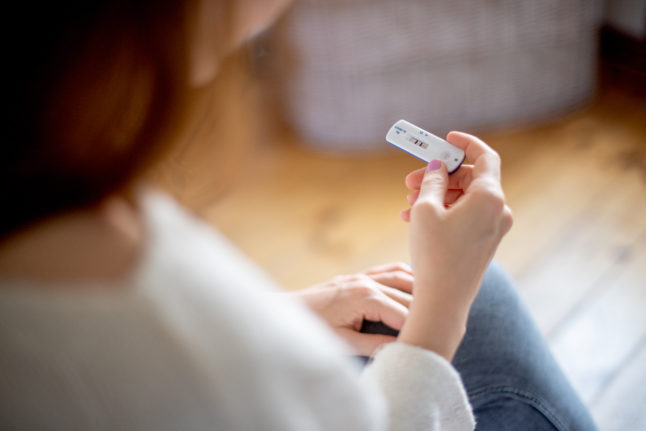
pixel 511 378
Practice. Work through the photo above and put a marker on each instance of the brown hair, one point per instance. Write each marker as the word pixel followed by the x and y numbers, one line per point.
pixel 96 98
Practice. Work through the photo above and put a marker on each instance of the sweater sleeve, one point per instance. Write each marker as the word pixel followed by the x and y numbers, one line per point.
pixel 422 390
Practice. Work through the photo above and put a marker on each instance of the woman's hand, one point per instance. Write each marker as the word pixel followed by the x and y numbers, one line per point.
pixel 381 294
pixel 457 223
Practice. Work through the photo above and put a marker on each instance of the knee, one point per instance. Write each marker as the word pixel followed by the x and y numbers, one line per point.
pixel 497 293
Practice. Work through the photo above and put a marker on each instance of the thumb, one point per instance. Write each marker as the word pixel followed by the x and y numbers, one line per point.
pixel 435 183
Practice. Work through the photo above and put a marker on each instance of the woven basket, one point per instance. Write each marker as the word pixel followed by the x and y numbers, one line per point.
pixel 348 69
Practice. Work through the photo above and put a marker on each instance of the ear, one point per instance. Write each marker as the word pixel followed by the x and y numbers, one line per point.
pixel 205 42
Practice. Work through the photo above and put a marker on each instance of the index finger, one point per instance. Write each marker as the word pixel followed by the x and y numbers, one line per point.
pixel 389 267
pixel 399 280
pixel 457 181
pixel 486 162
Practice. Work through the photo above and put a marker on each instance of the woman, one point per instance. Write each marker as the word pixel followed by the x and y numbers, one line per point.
pixel 120 311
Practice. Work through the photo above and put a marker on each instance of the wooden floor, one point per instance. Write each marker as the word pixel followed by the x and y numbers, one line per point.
pixel 577 250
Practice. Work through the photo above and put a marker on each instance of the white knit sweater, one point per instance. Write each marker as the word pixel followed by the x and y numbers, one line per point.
pixel 197 338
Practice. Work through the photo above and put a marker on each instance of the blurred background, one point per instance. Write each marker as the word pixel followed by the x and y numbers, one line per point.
pixel 287 156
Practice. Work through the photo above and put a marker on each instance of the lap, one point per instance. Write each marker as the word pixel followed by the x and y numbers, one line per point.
pixel 512 380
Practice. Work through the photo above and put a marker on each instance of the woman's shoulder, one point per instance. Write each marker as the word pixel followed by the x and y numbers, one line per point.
pixel 190 264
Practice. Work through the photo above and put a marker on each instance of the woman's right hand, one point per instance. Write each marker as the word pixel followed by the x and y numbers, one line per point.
pixel 456 225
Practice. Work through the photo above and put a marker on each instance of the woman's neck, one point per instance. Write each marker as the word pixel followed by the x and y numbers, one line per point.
pixel 101 244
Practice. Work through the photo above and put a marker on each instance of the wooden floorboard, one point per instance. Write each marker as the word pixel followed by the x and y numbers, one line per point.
pixel 620 406
pixel 577 186
pixel 581 258
pixel 598 337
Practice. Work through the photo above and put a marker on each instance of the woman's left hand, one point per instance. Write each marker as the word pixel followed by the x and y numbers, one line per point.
pixel 381 293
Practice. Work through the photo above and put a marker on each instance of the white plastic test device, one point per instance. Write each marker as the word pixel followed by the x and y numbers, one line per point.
pixel 425 145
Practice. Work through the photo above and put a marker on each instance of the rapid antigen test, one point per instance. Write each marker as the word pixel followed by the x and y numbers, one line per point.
pixel 425 145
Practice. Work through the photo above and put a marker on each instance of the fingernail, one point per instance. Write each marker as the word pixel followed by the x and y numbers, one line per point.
pixel 433 166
